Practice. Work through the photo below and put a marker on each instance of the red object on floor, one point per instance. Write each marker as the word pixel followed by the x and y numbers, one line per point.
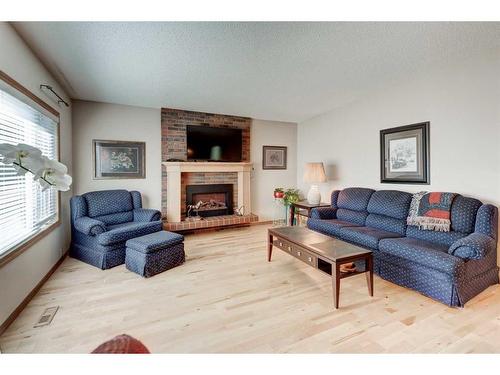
pixel 121 344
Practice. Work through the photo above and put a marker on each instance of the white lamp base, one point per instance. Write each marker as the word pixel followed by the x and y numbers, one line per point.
pixel 314 196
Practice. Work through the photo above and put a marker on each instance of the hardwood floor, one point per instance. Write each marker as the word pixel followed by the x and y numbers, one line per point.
pixel 228 298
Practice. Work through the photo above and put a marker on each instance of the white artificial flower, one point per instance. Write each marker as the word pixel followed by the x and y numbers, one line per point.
pixel 59 181
pixel 23 157
pixel 53 173
pixel 26 158
pixel 9 153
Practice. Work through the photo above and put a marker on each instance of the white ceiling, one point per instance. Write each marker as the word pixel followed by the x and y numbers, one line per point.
pixel 276 71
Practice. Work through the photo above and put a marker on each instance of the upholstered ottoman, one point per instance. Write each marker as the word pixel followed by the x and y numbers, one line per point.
pixel 154 253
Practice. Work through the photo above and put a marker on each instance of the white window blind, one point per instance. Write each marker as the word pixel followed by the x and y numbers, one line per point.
pixel 25 209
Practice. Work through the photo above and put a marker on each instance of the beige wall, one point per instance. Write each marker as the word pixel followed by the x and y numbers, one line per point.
pixel 462 103
pixel 120 123
pixel 117 122
pixel 21 275
pixel 272 133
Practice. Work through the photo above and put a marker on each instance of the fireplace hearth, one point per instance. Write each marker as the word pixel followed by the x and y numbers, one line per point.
pixel 210 199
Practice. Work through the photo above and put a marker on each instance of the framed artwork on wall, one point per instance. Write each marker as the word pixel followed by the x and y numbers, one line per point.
pixel 273 157
pixel 404 154
pixel 119 159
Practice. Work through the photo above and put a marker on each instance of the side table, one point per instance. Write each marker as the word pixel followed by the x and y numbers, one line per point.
pixel 303 208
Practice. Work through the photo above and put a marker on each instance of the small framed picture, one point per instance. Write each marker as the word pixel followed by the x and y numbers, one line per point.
pixel 404 154
pixel 273 157
pixel 119 159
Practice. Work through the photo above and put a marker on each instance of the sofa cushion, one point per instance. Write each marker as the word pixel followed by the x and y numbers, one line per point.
pixel 355 199
pixel 392 203
pixel 124 232
pixel 441 238
pixel 331 227
pixel 428 254
pixel 386 223
pixel 387 210
pixel 356 217
pixel 352 203
pixel 105 202
pixel 365 236
pixel 154 241
pixel 463 214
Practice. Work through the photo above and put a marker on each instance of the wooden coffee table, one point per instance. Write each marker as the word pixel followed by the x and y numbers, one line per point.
pixel 322 252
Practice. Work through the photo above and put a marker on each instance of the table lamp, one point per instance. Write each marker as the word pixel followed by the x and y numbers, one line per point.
pixel 314 174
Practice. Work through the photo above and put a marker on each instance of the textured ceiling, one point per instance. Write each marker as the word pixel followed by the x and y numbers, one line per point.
pixel 277 71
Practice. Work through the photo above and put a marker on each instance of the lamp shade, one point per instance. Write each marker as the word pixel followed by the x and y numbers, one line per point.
pixel 314 173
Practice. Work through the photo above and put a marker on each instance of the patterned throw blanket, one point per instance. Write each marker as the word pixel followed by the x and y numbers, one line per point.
pixel 431 211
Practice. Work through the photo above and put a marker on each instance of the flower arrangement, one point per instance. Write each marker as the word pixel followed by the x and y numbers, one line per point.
pixel 25 158
pixel 289 196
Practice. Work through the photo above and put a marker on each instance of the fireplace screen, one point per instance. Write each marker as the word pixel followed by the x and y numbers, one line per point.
pixel 210 200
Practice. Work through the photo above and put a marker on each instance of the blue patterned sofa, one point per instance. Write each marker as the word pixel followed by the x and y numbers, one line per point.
pixel 102 221
pixel 451 267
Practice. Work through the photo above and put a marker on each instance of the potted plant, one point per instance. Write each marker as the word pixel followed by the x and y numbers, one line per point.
pixel 291 196
pixel 279 193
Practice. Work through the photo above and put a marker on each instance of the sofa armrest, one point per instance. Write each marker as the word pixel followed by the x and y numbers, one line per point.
pixel 89 226
pixel 324 213
pixel 474 246
pixel 146 214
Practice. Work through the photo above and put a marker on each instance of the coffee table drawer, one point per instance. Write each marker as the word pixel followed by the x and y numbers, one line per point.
pixel 297 251
pixel 306 256
pixel 283 245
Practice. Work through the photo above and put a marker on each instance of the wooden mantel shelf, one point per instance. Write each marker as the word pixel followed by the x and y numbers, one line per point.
pixel 188 166
pixel 174 170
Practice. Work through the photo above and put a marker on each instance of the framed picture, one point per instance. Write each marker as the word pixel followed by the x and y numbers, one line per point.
pixel 119 159
pixel 273 157
pixel 404 154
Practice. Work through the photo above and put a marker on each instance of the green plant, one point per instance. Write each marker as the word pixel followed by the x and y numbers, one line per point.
pixel 291 196
pixel 278 190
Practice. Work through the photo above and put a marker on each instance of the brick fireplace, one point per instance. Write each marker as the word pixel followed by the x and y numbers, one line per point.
pixel 178 174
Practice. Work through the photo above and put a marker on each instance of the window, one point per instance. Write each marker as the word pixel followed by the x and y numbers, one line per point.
pixel 25 210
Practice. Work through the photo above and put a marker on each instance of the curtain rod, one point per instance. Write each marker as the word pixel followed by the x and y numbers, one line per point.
pixel 60 100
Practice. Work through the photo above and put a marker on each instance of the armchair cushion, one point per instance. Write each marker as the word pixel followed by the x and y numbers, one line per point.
pixel 126 231
pixel 474 246
pixel 89 226
pixel 105 202
pixel 325 213
pixel 146 215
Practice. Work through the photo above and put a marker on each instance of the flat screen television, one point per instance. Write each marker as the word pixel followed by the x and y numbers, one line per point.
pixel 213 144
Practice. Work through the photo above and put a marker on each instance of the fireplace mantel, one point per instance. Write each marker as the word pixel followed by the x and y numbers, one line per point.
pixel 174 170
pixel 189 166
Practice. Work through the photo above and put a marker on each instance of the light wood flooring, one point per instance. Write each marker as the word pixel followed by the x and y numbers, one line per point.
pixel 228 298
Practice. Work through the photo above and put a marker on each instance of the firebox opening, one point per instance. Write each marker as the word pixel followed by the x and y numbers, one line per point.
pixel 210 200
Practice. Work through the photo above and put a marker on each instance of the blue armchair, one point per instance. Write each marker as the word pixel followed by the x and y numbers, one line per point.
pixel 102 221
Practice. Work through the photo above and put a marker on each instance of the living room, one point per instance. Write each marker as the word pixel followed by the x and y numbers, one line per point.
pixel 211 187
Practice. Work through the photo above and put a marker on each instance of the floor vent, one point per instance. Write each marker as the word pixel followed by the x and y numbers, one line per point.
pixel 47 316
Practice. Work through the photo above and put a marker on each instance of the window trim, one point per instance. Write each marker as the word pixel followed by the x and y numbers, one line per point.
pixel 31 240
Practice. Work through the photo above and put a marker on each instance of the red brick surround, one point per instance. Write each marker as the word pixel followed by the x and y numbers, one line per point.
pixel 174 146
pixel 211 222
